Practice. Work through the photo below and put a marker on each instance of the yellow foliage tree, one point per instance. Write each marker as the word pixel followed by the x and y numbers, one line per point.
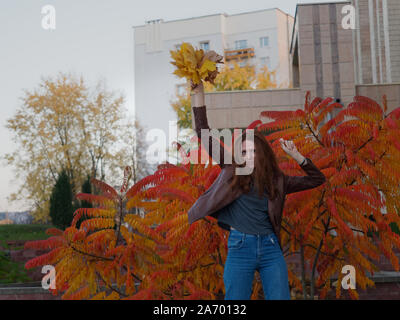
pixel 233 78
pixel 266 79
pixel 63 124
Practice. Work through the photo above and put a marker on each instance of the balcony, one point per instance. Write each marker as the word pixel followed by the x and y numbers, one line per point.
pixel 239 54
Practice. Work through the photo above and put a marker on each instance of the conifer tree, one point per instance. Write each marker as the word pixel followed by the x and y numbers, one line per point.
pixel 61 207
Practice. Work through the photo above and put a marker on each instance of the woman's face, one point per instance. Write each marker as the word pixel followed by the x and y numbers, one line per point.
pixel 248 151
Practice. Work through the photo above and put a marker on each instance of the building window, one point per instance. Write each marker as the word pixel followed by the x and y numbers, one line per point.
pixel 264 42
pixel 205 45
pixel 240 44
pixel 265 61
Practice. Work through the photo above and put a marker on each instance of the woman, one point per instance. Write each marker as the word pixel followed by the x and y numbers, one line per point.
pixel 250 206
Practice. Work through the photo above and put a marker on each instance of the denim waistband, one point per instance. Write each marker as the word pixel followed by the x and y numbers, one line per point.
pixel 253 235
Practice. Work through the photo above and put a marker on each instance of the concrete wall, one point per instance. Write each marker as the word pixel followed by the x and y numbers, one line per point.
pixel 376 92
pixel 237 109
pixel 26 293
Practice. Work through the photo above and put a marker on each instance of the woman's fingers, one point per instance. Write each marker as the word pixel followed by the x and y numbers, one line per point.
pixel 284 146
pixel 282 142
pixel 287 146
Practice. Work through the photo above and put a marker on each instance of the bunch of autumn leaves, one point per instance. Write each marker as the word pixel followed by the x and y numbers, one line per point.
pixel 195 65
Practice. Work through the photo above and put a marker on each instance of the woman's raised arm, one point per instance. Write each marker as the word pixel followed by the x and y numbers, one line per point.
pixel 314 177
pixel 201 122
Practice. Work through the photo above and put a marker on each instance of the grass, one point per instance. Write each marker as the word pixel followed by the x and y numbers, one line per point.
pixel 14 232
pixel 10 271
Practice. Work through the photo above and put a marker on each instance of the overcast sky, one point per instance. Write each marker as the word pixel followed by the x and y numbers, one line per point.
pixel 93 38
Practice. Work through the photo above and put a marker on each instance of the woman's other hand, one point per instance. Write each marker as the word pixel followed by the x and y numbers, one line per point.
pixel 289 147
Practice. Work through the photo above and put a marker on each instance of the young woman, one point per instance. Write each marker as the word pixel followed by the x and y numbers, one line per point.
pixel 250 207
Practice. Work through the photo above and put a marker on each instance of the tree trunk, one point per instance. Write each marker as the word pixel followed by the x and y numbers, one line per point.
pixel 303 272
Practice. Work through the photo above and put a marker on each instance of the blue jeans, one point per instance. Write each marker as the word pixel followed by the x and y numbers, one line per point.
pixel 247 253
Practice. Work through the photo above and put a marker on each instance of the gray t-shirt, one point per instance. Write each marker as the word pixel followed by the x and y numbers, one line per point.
pixel 248 214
